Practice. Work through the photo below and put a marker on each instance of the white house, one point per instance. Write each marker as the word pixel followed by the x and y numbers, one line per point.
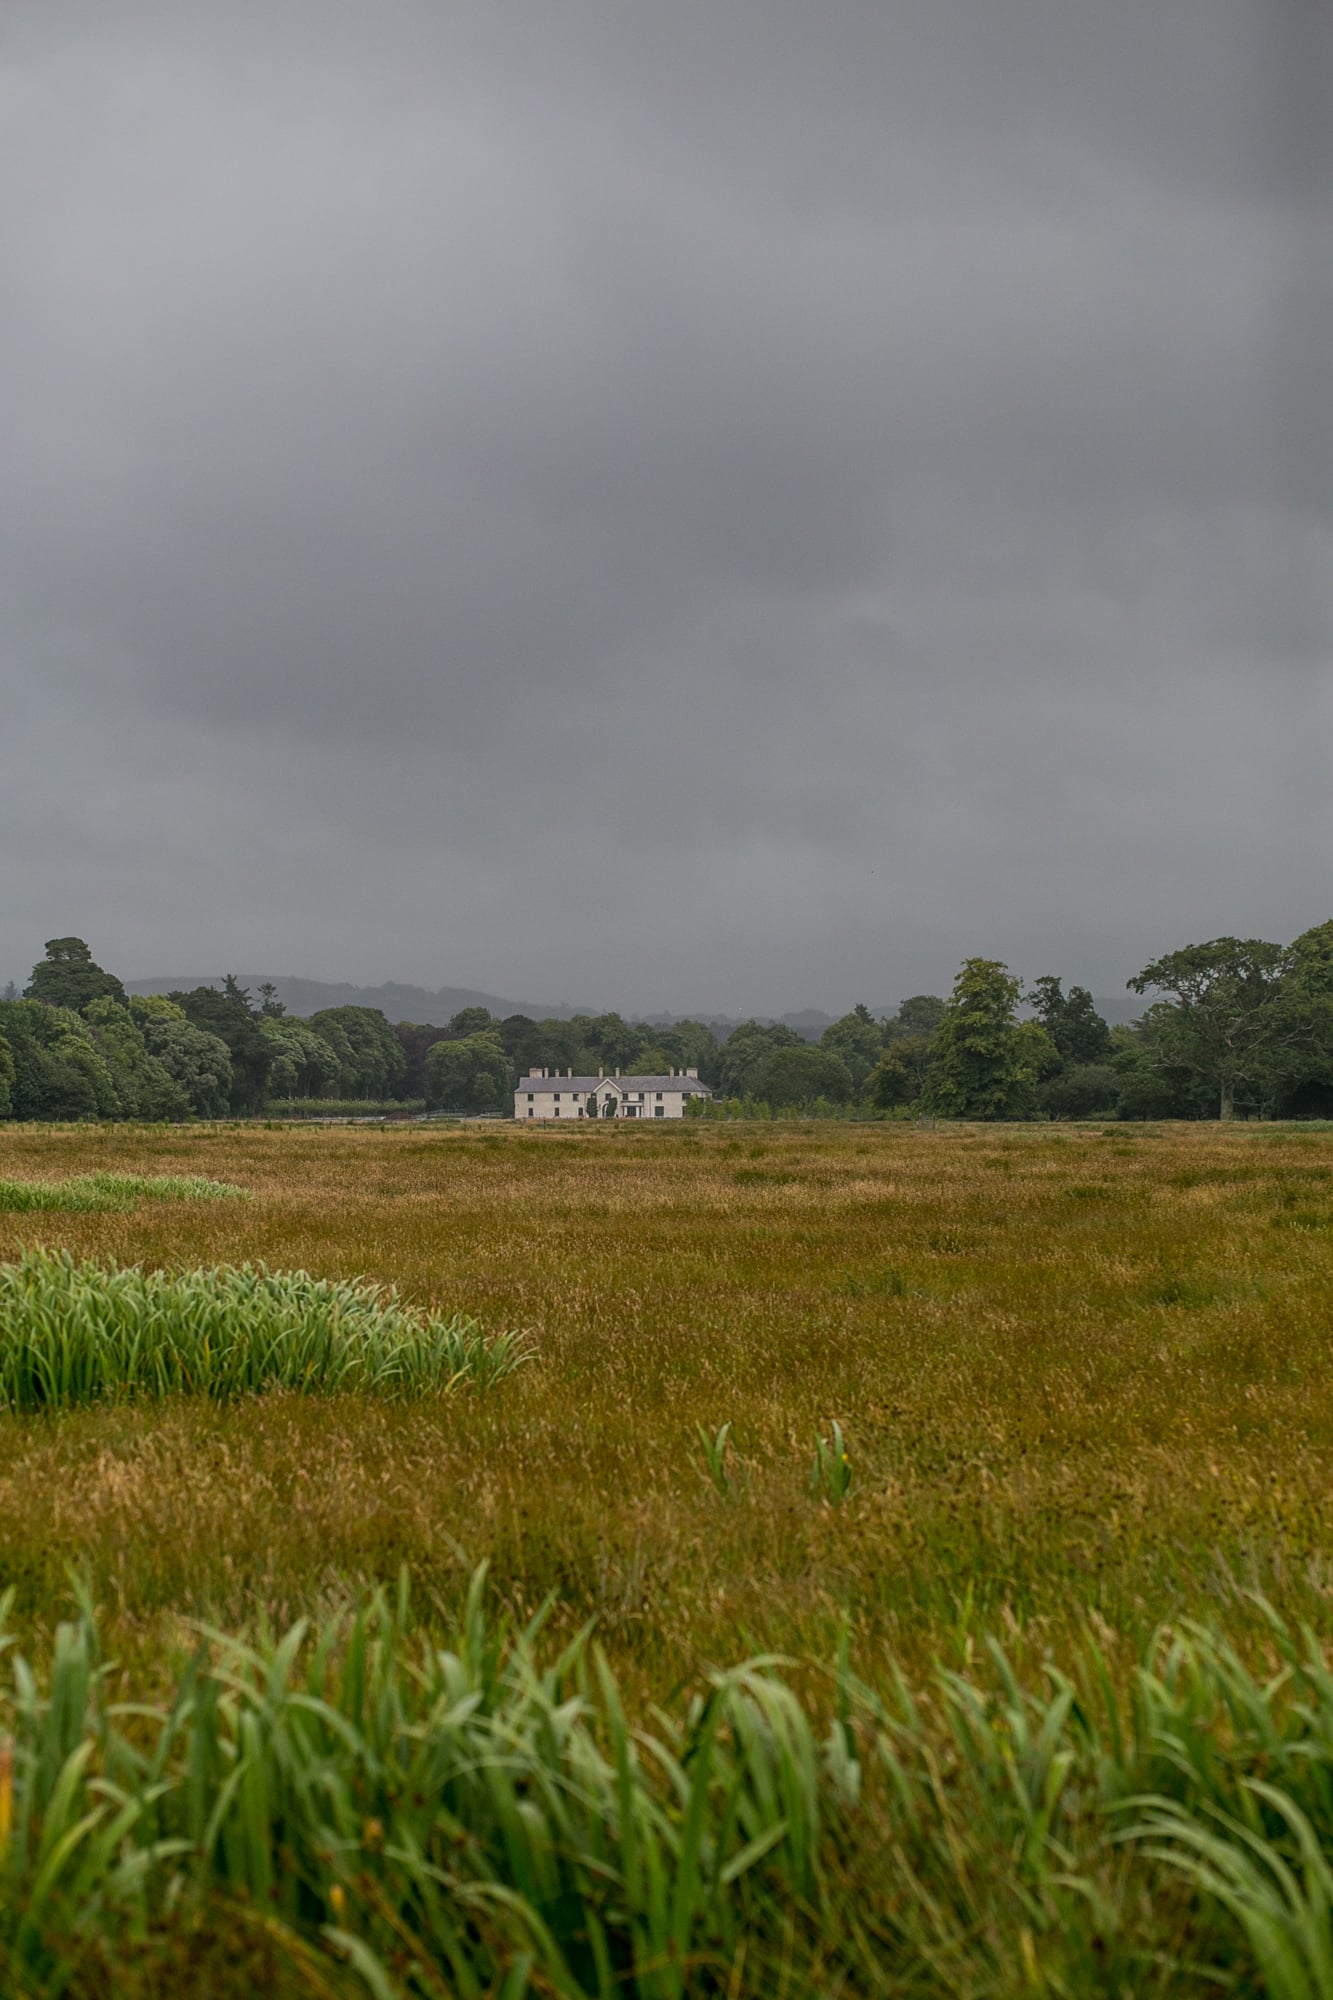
pixel 553 1093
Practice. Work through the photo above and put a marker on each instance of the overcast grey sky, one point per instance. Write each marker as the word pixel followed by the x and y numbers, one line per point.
pixel 711 503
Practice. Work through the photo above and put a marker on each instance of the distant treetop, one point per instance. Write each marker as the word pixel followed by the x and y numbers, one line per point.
pixel 69 977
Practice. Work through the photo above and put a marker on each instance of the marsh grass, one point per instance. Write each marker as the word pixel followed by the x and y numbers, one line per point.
pixel 1119 1406
pixel 1097 1411
pixel 85 1332
pixel 474 1812
pixel 99 1193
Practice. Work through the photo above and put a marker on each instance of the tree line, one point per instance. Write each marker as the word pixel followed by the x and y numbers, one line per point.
pixel 1238 1027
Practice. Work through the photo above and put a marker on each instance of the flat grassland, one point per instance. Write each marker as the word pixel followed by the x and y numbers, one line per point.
pixel 1083 1375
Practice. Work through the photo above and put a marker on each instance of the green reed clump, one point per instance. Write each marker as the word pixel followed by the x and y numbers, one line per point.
pixel 455 1814
pixel 82 1194
pixel 75 1333
pixel 465 1819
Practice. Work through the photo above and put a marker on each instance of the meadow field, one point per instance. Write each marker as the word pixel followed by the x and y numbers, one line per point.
pixel 1080 1380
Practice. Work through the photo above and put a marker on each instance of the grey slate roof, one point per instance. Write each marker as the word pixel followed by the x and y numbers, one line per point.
pixel 631 1085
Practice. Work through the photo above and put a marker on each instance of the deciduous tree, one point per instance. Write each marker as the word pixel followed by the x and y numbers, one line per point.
pixel 145 1086
pixel 199 1062
pixel 371 1056
pixel 798 1077
pixel 304 1065
pixel 984 1062
pixel 857 1040
pixel 899 1075
pixel 59 1070
pixel 1223 1022
pixel 746 1049
pixel 469 1075
pixel 919 1015
pixel 1072 1021
pixel 226 1013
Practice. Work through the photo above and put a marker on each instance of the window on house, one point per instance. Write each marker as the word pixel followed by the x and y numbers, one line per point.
pixel 659 1111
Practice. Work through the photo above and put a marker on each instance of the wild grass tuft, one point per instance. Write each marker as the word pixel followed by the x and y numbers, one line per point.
pixel 83 1194
pixel 74 1333
pixel 831 1470
pixel 713 1446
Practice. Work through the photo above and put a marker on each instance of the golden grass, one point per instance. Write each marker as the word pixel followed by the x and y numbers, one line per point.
pixel 1079 1373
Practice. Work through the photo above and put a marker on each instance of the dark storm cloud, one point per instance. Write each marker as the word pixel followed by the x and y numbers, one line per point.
pixel 717 505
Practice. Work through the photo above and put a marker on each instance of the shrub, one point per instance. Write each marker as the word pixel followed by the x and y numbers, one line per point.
pixel 1082 1090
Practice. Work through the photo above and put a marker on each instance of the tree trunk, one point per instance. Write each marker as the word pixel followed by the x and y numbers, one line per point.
pixel 1228 1109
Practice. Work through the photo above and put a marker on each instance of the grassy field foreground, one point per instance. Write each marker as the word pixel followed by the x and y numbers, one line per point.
pixel 1076 1372
pixel 1083 1379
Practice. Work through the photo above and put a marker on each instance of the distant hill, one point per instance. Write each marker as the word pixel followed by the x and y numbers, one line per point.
pixel 401 1003
pixel 1119 1009
pixel 437 1008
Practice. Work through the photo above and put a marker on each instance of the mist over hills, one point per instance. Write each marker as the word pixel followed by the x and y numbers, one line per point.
pixel 436 1007
pixel 400 1002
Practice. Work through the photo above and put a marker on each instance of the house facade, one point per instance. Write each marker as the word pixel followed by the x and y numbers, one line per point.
pixel 553 1093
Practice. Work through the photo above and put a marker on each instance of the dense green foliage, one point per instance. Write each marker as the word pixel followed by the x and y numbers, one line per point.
pixel 1238 1027
pixel 984 1063
pixel 472 1074
pixel 802 1076
pixel 198 1061
pixel 87 1332
pixel 145 1086
pixel 371 1061
pixel 468 1817
pixel 68 977
pixel 227 1014
pixel 305 1063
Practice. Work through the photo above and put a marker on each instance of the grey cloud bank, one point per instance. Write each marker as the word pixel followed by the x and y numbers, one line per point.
pixel 728 506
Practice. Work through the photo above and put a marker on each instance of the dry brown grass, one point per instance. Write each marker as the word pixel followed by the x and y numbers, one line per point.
pixel 1079 1372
